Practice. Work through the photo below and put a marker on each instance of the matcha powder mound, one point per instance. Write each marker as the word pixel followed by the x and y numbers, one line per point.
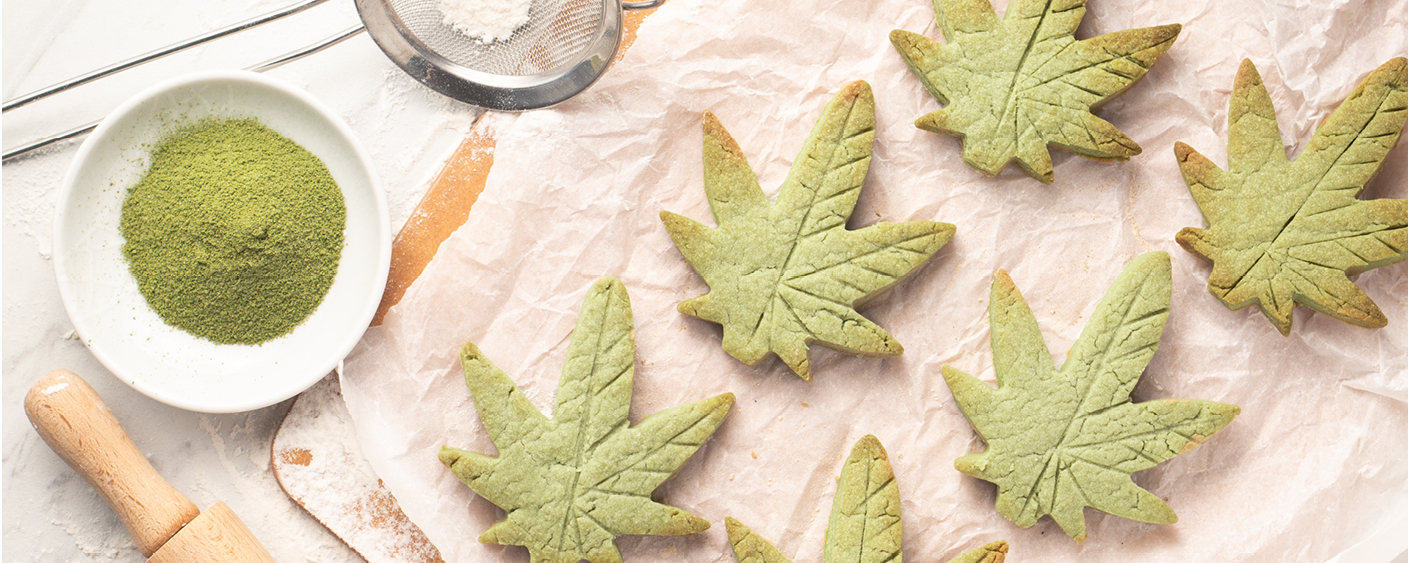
pixel 235 232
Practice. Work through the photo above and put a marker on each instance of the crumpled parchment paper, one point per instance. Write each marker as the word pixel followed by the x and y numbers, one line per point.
pixel 1314 464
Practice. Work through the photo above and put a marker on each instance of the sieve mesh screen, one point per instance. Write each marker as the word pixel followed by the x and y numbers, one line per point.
pixel 556 35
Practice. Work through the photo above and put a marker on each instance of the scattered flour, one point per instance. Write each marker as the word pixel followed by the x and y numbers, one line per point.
pixel 486 20
pixel 240 444
pixel 319 464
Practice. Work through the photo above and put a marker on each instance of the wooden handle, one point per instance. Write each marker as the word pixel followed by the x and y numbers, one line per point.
pixel 80 427
pixel 217 535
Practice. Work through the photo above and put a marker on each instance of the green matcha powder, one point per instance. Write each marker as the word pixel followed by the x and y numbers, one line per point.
pixel 235 232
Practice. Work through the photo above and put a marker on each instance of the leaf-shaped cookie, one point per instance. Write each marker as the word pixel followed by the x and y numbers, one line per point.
pixel 782 276
pixel 1061 441
pixel 1011 87
pixel 572 483
pixel 865 518
pixel 1282 232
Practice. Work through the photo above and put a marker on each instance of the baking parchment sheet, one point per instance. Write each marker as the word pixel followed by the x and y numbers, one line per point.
pixel 1317 461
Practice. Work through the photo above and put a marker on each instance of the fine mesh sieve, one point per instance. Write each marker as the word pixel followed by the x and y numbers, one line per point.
pixel 563 48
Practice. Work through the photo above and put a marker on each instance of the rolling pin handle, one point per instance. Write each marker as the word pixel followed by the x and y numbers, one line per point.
pixel 80 427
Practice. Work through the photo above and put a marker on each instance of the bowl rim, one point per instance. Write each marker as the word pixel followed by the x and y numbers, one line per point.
pixel 341 346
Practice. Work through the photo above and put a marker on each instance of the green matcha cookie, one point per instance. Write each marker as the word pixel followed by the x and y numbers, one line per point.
pixel 1012 87
pixel 782 276
pixel 1061 441
pixel 572 483
pixel 1282 232
pixel 865 518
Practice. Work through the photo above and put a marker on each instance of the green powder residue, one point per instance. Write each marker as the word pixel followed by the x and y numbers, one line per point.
pixel 234 235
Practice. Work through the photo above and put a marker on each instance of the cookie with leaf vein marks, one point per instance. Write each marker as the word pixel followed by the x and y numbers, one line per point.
pixel 1013 87
pixel 573 483
pixel 865 518
pixel 785 275
pixel 1060 441
pixel 1280 231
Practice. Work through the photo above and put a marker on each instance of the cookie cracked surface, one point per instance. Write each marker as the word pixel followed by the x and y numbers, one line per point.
pixel 1059 441
pixel 788 274
pixel 1281 231
pixel 572 483
pixel 865 518
pixel 1012 86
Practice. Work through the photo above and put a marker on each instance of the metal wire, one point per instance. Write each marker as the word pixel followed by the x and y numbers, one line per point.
pixel 563 48
pixel 157 54
pixel 261 67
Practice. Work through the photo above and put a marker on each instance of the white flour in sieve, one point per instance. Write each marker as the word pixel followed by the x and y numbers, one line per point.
pixel 486 20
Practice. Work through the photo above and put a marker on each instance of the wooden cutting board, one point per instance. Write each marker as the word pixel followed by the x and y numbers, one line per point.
pixel 315 455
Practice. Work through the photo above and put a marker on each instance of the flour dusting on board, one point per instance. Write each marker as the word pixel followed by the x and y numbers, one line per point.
pixel 486 20
pixel 319 464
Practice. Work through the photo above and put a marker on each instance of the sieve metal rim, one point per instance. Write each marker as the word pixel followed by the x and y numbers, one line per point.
pixel 489 90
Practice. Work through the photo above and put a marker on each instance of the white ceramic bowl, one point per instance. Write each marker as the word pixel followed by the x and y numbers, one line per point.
pixel 101 296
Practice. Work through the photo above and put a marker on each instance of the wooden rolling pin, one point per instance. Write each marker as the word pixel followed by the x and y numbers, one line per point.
pixel 166 525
